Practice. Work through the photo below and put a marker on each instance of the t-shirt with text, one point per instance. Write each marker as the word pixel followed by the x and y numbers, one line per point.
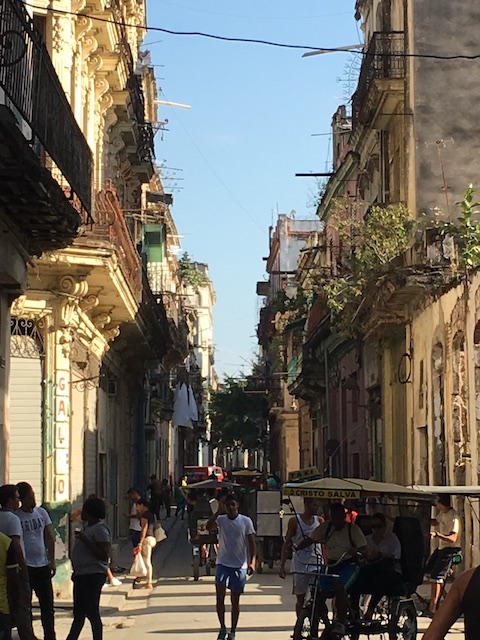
pixel 232 540
pixel 33 528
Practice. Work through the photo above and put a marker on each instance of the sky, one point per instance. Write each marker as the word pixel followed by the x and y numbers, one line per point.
pixel 231 159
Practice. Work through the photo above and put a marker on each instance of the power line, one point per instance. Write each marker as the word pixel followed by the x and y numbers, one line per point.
pixel 257 41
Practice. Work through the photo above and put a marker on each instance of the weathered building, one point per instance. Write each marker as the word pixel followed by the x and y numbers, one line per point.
pixel 413 377
pixel 281 323
pixel 89 339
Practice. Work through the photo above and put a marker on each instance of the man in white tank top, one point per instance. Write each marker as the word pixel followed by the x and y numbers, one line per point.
pixel 304 561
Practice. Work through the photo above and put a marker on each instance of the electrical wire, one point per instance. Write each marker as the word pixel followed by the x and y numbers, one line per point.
pixel 269 43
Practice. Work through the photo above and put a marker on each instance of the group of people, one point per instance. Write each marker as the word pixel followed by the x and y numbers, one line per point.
pixel 316 541
pixel 27 563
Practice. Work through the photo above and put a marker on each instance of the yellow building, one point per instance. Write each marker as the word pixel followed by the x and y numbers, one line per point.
pixel 86 332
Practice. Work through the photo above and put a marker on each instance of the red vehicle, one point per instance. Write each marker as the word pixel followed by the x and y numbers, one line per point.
pixel 197 474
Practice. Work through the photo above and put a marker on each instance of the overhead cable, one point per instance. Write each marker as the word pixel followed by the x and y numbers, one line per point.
pixel 120 23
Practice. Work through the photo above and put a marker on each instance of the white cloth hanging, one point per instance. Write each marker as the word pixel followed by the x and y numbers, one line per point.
pixel 185 410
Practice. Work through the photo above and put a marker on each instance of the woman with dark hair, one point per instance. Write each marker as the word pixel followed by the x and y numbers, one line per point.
pixel 89 557
pixel 147 539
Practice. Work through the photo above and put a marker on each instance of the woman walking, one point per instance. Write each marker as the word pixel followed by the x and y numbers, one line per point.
pixel 90 555
pixel 147 540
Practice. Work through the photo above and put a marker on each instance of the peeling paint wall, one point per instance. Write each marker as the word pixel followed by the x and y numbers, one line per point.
pixel 445 396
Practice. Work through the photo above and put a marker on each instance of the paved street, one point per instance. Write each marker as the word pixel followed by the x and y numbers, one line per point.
pixel 180 609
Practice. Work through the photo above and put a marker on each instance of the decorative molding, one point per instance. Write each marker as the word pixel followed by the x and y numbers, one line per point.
pixel 73 286
pixel 101 320
pixel 94 64
pixel 111 332
pixel 83 29
pixel 89 302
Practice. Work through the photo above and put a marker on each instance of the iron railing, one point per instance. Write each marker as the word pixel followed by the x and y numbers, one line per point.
pixel 385 59
pixel 29 80
pixel 110 226
pixel 145 144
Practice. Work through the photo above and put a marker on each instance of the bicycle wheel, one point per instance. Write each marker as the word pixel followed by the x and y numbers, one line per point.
pixel 306 626
pixel 403 624
pixel 196 567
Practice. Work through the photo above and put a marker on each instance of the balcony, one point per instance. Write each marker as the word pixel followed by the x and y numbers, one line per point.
pixel 35 143
pixel 381 82
pixel 109 231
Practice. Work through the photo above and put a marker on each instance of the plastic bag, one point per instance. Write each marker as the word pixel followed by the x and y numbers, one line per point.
pixel 159 533
pixel 138 568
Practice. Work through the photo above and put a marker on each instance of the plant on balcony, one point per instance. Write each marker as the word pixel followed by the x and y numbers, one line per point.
pixel 367 248
pixel 466 230
pixel 188 273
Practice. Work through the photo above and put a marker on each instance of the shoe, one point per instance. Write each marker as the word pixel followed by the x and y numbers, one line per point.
pixel 116 582
pixel 231 636
pixel 222 634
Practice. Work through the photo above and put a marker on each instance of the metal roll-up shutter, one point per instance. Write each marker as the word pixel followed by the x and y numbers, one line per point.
pixel 26 409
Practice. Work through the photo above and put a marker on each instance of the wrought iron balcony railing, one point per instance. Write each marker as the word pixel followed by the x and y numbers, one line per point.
pixel 385 59
pixel 29 80
pixel 145 143
pixel 110 226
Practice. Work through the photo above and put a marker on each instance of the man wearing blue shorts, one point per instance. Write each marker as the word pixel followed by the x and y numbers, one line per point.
pixel 341 540
pixel 236 555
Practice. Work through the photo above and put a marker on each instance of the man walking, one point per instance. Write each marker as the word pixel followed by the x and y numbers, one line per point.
pixel 135 527
pixel 236 556
pixel 11 527
pixel 305 562
pixel 39 546
pixel 446 529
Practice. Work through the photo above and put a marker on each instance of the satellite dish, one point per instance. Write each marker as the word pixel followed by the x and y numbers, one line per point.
pixel 332 446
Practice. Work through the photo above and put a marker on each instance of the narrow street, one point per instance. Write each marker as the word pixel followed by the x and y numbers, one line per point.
pixel 179 608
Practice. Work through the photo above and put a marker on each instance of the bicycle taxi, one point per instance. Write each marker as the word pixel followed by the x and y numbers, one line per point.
pixel 408 511
pixel 203 500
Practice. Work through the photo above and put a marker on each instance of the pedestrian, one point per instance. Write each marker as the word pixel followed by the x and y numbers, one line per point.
pixel 147 540
pixel 9 586
pixel 341 540
pixel 166 497
pixel 180 500
pixel 39 545
pixel 305 562
pixel 156 501
pixel 10 525
pixel 133 517
pixel 89 557
pixel 446 529
pixel 76 516
pixel 236 557
pixel 462 599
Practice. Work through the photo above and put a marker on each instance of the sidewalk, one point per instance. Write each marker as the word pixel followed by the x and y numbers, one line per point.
pixel 113 598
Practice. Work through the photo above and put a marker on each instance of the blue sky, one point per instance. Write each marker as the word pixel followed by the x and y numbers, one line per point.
pixel 236 152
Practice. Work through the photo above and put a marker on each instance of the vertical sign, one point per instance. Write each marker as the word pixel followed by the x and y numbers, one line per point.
pixel 62 433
